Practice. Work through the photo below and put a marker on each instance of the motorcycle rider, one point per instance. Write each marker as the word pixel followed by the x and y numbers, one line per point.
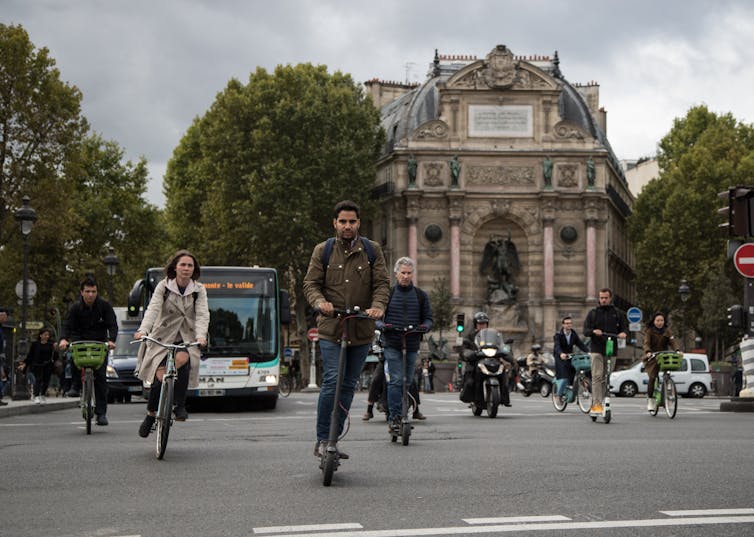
pixel 534 360
pixel 481 321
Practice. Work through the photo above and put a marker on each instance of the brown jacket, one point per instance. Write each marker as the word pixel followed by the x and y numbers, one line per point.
pixel 349 282
pixel 655 341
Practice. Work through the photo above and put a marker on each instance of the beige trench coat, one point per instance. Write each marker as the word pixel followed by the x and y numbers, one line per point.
pixel 175 318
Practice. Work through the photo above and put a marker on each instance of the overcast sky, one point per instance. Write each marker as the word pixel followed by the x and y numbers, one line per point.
pixel 148 67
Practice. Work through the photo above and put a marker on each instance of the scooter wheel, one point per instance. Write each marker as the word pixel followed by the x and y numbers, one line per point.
pixel 328 468
pixel 594 418
pixel 608 416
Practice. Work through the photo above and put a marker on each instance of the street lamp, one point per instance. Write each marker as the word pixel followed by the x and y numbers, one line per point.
pixel 27 216
pixel 111 262
pixel 684 290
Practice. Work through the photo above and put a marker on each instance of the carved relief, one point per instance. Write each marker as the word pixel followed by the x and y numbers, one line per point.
pixel 568 175
pixel 434 129
pixel 568 131
pixel 500 71
pixel 433 174
pixel 500 175
pixel 434 204
pixel 528 80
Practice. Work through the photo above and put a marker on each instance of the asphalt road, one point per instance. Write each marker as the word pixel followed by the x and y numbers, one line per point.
pixel 530 471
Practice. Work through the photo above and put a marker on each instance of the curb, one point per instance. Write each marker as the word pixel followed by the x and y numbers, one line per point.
pixel 738 404
pixel 30 408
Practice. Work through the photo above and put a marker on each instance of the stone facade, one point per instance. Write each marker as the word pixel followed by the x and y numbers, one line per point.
pixel 500 149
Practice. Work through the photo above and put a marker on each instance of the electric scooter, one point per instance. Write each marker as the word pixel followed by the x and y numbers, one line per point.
pixel 609 353
pixel 404 426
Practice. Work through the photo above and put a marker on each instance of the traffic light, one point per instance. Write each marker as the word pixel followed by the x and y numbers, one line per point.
pixel 737 317
pixel 738 216
pixel 460 322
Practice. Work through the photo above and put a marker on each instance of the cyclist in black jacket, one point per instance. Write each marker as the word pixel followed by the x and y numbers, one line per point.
pixel 91 318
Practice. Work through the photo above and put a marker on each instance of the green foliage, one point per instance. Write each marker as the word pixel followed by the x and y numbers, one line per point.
pixel 674 226
pixel 256 177
pixel 442 306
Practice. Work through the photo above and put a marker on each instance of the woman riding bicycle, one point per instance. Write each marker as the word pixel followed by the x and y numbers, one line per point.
pixel 657 337
pixel 178 312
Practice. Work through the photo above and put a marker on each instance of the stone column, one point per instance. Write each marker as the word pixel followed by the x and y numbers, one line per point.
pixel 412 249
pixel 413 198
pixel 591 258
pixel 455 213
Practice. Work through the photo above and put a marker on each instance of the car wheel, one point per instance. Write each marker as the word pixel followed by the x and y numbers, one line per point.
pixel 697 390
pixel 628 389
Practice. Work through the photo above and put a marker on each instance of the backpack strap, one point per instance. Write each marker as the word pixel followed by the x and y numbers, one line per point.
pixel 330 243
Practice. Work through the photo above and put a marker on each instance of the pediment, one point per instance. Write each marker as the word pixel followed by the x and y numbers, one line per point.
pixel 433 129
pixel 500 70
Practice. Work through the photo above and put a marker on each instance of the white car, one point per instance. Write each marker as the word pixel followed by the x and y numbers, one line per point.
pixel 693 379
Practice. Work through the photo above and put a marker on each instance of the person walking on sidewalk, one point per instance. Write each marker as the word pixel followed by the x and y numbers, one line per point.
pixel 3 376
pixel 91 318
pixel 39 361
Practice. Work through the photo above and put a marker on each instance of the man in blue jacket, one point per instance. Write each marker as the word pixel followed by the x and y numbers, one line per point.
pixel 407 306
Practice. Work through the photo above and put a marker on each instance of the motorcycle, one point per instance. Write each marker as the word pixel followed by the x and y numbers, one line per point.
pixel 485 378
pixel 540 380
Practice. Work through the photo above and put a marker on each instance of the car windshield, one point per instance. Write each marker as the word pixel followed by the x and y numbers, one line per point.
pixel 123 345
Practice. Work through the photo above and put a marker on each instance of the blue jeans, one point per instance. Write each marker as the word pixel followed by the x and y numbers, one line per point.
pixel 394 361
pixel 355 357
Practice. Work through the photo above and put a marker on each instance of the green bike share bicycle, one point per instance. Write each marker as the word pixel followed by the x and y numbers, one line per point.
pixel 665 393
pixel 88 356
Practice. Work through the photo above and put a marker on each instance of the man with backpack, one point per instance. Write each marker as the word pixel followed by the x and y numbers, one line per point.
pixel 91 318
pixel 407 306
pixel 344 272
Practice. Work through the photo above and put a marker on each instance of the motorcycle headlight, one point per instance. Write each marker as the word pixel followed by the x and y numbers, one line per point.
pixel 489 351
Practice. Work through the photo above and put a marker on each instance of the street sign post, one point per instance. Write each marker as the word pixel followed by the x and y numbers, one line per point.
pixel 634 315
pixel 744 260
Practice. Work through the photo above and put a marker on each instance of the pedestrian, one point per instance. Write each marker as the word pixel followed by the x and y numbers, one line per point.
pixel 178 312
pixel 657 337
pixel 563 343
pixel 605 318
pixel 38 361
pixel 426 375
pixel 3 373
pixel 91 318
pixel 344 272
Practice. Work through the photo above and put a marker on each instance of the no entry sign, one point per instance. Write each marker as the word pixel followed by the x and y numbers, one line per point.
pixel 313 334
pixel 744 260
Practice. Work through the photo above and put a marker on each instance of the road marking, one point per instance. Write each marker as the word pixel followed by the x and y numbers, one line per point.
pixel 540 526
pixel 309 527
pixel 704 512
pixel 515 519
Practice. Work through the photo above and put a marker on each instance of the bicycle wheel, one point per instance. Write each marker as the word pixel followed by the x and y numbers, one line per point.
pixel 584 394
pixel 285 386
pixel 328 467
pixel 560 403
pixel 164 416
pixel 671 397
pixel 87 396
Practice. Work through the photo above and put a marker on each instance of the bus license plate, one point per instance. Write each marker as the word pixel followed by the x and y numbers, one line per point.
pixel 211 393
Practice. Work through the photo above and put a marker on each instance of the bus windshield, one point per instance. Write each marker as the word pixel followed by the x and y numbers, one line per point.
pixel 243 325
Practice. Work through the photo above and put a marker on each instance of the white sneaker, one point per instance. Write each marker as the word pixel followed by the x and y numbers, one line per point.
pixel 44 399
pixel 37 400
pixel 651 404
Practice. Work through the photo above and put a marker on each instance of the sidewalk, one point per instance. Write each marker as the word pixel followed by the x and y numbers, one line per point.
pixel 27 406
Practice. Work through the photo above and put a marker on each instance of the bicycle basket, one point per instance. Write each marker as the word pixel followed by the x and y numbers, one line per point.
pixel 668 361
pixel 581 362
pixel 88 353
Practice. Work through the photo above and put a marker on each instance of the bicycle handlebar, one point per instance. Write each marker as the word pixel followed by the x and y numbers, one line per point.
pixel 409 329
pixel 348 313
pixel 178 347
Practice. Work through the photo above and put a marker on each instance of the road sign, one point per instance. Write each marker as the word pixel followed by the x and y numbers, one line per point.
pixel 34 325
pixel 313 334
pixel 634 327
pixel 744 260
pixel 634 315
pixel 31 289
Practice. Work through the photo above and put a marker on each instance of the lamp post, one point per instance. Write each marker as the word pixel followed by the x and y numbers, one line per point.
pixel 684 290
pixel 111 262
pixel 26 216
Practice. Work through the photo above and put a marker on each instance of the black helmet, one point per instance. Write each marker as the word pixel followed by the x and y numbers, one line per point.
pixel 480 317
pixel 536 347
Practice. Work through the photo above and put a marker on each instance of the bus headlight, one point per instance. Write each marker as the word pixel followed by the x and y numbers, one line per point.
pixel 271 379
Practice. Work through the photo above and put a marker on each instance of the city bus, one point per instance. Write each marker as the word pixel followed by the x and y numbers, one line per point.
pixel 244 344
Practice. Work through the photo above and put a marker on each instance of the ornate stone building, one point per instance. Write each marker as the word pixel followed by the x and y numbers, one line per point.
pixel 498 177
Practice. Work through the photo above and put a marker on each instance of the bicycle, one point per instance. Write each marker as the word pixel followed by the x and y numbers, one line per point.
pixel 404 424
pixel 329 457
pixel 609 353
pixel 88 356
pixel 286 382
pixel 580 390
pixel 164 417
pixel 665 393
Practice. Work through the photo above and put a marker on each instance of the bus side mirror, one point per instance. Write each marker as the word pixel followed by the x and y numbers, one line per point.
pixel 285 307
pixel 134 299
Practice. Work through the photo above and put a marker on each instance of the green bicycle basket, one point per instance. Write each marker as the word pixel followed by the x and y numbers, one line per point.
pixel 581 362
pixel 668 361
pixel 88 353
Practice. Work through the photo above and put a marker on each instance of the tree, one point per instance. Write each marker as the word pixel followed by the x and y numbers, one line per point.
pixel 674 225
pixel 442 307
pixel 260 172
pixel 40 123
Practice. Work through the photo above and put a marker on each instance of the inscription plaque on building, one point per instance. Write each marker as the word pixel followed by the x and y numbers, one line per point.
pixel 508 121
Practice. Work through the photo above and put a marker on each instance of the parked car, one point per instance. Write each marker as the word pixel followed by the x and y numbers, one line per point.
pixel 693 379
pixel 122 384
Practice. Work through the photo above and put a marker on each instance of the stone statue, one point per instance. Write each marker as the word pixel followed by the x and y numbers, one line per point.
pixel 500 263
pixel 547 171
pixel 455 170
pixel 590 172
pixel 411 167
